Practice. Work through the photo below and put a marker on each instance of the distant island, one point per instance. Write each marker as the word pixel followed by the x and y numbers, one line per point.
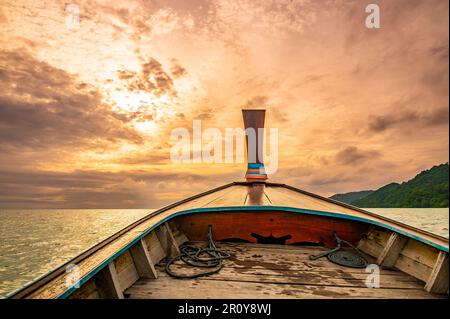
pixel 428 189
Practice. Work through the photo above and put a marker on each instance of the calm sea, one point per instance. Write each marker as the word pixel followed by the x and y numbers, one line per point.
pixel 32 242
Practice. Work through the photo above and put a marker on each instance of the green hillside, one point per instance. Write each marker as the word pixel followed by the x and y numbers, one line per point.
pixel 427 189
pixel 351 197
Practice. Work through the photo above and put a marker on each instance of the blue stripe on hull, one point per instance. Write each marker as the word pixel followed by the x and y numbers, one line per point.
pixel 83 280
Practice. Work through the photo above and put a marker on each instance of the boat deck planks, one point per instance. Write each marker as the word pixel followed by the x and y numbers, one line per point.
pixel 277 271
pixel 233 194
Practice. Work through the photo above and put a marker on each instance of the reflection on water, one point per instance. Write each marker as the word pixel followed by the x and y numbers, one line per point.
pixel 32 242
pixel 433 220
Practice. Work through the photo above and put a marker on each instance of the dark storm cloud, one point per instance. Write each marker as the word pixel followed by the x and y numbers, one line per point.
pixel 330 180
pixel 279 115
pixel 383 122
pixel 177 70
pixel 434 117
pixel 90 179
pixel 353 155
pixel 152 78
pixel 437 116
pixel 440 50
pixel 257 102
pixel 93 189
pixel 313 78
pixel 262 102
pixel 42 106
pixel 204 114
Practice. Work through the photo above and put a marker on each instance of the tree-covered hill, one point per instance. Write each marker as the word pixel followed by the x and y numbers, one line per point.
pixel 427 189
pixel 351 197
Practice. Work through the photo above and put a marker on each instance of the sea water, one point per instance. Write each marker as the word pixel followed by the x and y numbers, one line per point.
pixel 33 242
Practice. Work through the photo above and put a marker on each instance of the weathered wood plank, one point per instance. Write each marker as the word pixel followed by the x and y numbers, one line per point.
pixel 284 197
pixel 420 252
pixel 142 260
pixel 374 242
pixel 302 252
pixel 235 197
pixel 86 291
pixel 126 270
pixel 413 268
pixel 154 247
pixel 417 259
pixel 207 199
pixel 167 240
pixel 180 237
pixel 331 277
pixel 260 271
pixel 107 282
pixel 294 261
pixel 256 196
pixel 392 250
pixel 438 280
pixel 200 289
pixel 286 258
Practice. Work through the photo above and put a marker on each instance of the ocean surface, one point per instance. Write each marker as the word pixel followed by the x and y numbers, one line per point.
pixel 33 242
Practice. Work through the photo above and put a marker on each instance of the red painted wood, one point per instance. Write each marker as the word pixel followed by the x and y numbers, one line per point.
pixel 302 227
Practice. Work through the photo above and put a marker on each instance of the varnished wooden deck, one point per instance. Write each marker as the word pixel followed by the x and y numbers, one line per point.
pixel 234 195
pixel 274 271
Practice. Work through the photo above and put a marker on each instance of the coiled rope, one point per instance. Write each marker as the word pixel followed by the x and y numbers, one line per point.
pixel 349 258
pixel 209 257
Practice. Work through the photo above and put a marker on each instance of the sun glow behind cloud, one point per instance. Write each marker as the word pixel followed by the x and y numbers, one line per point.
pixel 354 108
pixel 151 108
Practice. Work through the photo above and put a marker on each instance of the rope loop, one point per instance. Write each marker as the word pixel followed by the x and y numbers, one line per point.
pixel 349 258
pixel 195 256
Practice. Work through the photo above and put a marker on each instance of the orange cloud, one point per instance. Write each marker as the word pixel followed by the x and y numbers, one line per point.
pixel 356 108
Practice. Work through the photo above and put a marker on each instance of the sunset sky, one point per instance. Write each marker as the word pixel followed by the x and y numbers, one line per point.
pixel 86 110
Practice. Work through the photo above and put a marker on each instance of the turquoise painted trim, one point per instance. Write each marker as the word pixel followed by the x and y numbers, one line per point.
pixel 255 165
pixel 83 280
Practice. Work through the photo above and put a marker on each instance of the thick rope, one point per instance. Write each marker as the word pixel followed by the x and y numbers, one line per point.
pixel 342 257
pixel 209 257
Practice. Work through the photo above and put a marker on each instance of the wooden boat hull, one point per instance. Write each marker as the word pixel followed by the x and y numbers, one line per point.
pixel 269 225
pixel 253 213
